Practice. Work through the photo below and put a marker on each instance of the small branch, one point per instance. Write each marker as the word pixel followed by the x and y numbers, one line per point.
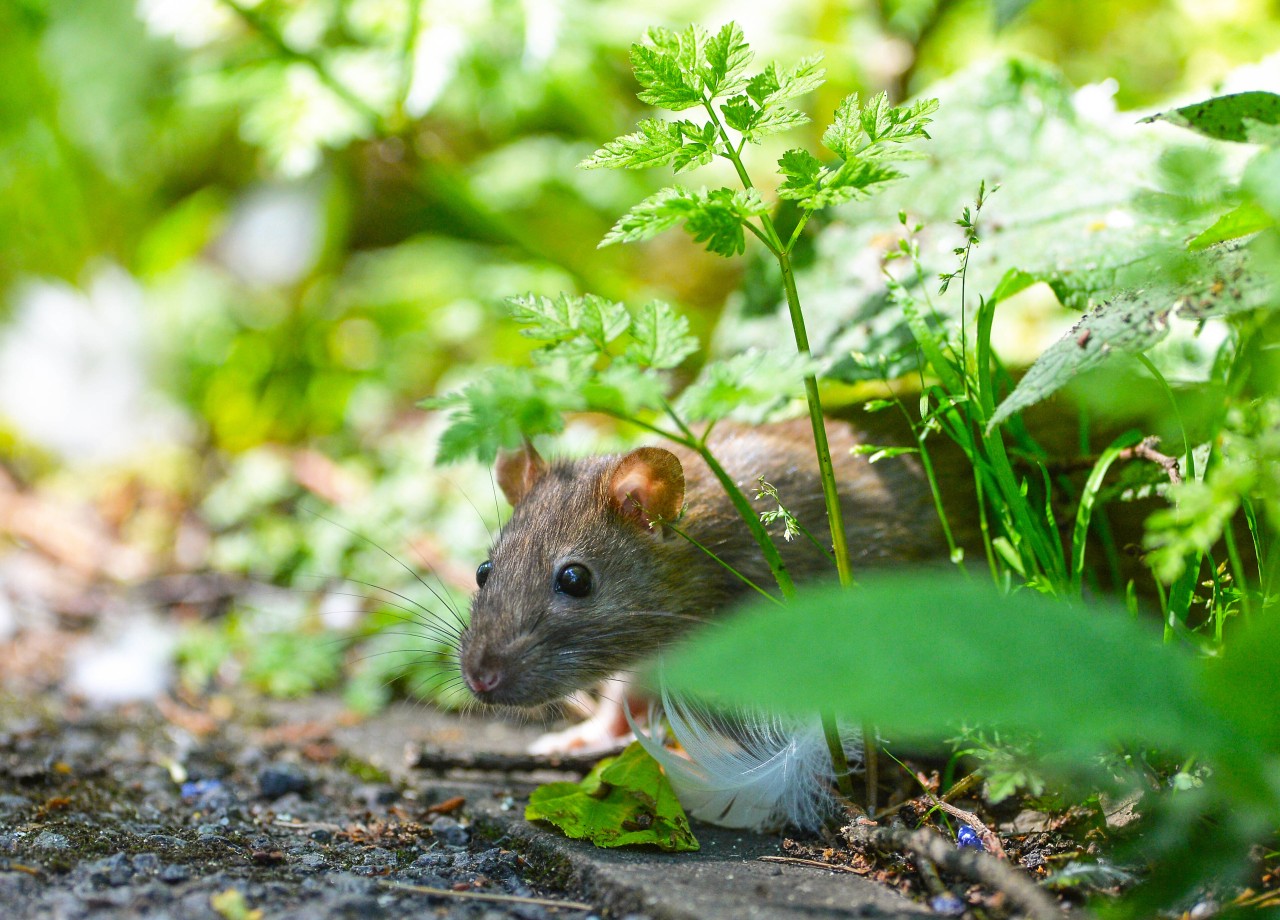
pixel 482 896
pixel 815 863
pixel 1146 450
pixel 482 762
pixel 971 864
pixel 989 838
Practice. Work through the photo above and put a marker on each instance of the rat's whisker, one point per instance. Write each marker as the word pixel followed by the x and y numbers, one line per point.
pixel 398 561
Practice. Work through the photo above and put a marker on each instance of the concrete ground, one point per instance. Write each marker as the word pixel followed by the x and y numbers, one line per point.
pixel 725 880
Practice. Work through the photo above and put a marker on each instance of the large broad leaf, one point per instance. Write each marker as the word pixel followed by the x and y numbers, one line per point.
pixel 919 653
pixel 1225 118
pixel 624 800
pixel 1221 281
pixel 1086 198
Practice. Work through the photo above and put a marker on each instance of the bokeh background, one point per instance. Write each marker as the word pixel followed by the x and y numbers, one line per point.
pixel 240 241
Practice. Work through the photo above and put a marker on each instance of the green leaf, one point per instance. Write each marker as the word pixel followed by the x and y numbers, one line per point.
pixel 774 119
pixel 663 69
pixel 624 800
pixel 1225 118
pixel 1241 221
pixel 622 389
pixel 713 218
pixel 498 410
pixel 661 336
pixel 856 128
pixel 756 380
pixel 594 320
pixel 727 57
pixel 771 85
pixel 701 144
pixel 656 144
pixel 1082 677
pixel 1217 282
pixel 1242 684
pixel 803 171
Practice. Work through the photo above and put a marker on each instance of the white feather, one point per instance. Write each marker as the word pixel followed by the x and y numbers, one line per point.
pixel 745 770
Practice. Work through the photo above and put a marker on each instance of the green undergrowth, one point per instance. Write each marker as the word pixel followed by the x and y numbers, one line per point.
pixel 1163 396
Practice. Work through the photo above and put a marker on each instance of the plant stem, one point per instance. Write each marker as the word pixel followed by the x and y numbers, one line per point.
pixel 830 493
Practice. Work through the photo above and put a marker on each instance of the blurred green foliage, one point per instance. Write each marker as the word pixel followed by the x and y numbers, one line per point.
pixel 323 204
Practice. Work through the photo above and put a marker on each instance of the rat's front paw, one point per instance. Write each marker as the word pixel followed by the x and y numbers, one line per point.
pixel 605 730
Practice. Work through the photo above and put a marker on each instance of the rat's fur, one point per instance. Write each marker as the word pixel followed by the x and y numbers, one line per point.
pixel 651 585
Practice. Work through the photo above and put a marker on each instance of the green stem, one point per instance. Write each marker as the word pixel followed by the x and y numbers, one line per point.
pixel 831 496
pixel 743 505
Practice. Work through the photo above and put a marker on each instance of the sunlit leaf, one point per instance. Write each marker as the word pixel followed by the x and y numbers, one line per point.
pixel 624 800
pixel 1225 117
pixel 920 653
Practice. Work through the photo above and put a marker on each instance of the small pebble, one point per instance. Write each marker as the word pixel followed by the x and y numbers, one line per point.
pixel 968 837
pixel 282 778
pixel 173 873
pixel 200 788
pixel 946 904
pixel 48 840
pixel 450 832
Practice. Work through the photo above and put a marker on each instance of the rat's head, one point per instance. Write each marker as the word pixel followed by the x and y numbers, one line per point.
pixel 573 587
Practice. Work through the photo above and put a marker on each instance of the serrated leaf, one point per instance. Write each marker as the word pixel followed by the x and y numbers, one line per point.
pixel 813 187
pixel 1224 117
pixel 774 119
pixel 1219 282
pixel 660 336
pixel 565 318
pixel 713 218
pixel 718 220
pixel 745 384
pixel 772 85
pixel 701 144
pixel 622 389
pixel 655 144
pixel 665 83
pixel 739 113
pixel 796 659
pixel 727 56
pixel 857 128
pixel 802 170
pixel 624 800
pixel 661 211
pixel 498 410
pixel 855 179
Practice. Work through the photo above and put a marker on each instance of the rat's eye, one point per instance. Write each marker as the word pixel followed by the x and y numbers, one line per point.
pixel 573 580
pixel 482 572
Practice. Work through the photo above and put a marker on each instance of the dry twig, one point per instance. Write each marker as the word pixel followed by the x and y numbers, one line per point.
pixel 972 864
pixel 485 762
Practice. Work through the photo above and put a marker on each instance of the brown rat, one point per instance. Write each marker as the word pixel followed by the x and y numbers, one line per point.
pixel 586 579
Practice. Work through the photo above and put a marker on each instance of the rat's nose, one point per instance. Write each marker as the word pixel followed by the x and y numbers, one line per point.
pixel 483 678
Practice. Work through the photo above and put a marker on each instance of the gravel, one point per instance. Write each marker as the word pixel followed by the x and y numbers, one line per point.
pixel 115 816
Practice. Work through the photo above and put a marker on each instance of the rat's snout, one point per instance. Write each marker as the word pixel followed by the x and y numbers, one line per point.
pixel 482 671
pixel 487 671
pixel 483 678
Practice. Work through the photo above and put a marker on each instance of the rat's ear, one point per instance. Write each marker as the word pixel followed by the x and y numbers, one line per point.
pixel 647 486
pixel 518 470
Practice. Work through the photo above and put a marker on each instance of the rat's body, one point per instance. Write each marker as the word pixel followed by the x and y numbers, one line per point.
pixel 586 579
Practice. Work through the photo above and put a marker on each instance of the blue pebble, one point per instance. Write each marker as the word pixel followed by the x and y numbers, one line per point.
pixel 200 788
pixel 968 837
pixel 947 904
